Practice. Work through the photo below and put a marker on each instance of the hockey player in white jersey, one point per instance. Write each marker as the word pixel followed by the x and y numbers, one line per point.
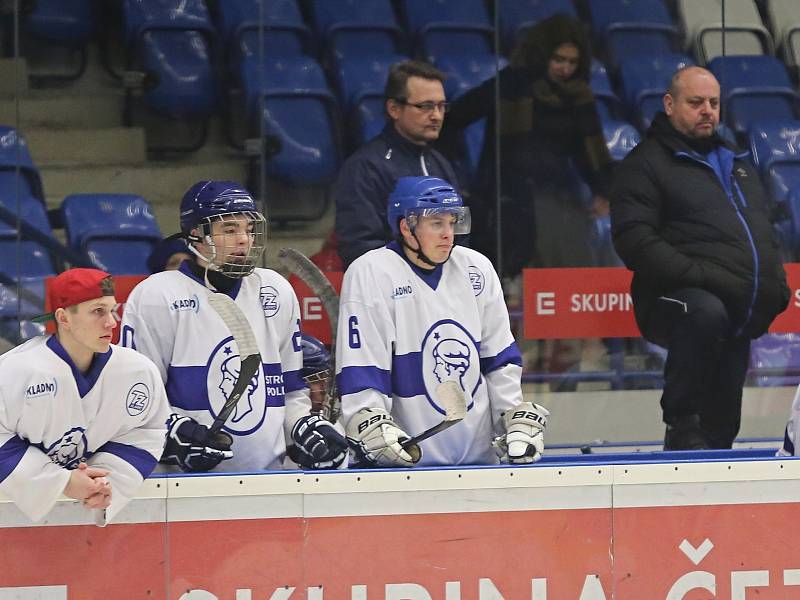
pixel 168 318
pixel 78 416
pixel 416 314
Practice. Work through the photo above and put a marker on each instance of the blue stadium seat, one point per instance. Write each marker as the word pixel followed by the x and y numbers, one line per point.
pixel 754 87
pixel 14 154
pixel 448 26
pixel 170 41
pixel 516 15
pixel 284 31
pixel 645 78
pixel 361 81
pixel 116 231
pixel 627 28
pixel 775 359
pixel 608 103
pixel 24 258
pixel 62 24
pixel 300 110
pixel 621 138
pixel 357 28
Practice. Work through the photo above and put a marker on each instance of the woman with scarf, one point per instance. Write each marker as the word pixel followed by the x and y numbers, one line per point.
pixel 550 137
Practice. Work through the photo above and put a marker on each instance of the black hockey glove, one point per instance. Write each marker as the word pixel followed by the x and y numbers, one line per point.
pixel 317 444
pixel 191 448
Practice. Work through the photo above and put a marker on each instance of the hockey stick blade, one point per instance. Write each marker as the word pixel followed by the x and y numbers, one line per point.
pixel 249 356
pixel 450 394
pixel 300 265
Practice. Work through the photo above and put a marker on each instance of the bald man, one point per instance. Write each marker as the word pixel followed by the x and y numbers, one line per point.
pixel 690 218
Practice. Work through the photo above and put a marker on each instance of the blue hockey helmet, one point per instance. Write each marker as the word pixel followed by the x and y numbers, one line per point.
pixel 415 197
pixel 316 358
pixel 207 202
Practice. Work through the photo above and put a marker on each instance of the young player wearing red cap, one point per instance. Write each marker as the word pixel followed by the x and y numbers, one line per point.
pixel 78 416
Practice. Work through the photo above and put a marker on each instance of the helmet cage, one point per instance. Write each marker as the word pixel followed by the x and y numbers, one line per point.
pixel 462 225
pixel 245 265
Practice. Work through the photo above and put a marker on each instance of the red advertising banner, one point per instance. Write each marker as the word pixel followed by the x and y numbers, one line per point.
pixel 596 302
pixel 314 319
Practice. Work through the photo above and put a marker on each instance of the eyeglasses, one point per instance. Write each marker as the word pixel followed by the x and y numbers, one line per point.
pixel 426 107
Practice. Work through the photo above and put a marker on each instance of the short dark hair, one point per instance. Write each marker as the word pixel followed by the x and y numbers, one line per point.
pixel 396 83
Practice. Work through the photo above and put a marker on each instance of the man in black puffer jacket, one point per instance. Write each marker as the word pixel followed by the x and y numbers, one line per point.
pixel 690 218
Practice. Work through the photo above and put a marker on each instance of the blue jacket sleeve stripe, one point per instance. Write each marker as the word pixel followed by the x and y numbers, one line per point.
pixel 352 380
pixel 139 459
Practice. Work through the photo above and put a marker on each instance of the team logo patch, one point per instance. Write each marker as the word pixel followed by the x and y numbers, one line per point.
pixel 476 279
pixel 138 399
pixel 186 304
pixel 69 449
pixel 42 388
pixel 449 354
pixel 269 300
pixel 223 373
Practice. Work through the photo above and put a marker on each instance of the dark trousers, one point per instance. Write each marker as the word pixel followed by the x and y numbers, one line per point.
pixel 706 366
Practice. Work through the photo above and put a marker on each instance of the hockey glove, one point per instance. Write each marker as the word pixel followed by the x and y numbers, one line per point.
pixel 317 445
pixel 191 448
pixel 523 441
pixel 375 440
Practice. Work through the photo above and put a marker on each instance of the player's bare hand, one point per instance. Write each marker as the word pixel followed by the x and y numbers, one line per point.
pixel 83 482
pixel 101 499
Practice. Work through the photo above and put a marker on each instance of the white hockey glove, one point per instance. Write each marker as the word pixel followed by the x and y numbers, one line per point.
pixel 375 440
pixel 523 441
pixel 317 445
pixel 190 446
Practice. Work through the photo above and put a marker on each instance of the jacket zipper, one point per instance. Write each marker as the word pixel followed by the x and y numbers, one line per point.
pixel 756 262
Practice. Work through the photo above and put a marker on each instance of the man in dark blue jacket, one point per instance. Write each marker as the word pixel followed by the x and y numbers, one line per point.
pixel 690 218
pixel 415 106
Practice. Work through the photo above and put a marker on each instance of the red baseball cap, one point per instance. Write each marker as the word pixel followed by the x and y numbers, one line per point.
pixel 75 286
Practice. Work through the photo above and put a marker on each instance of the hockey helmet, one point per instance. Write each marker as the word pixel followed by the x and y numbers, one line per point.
pixel 207 202
pixel 316 358
pixel 415 197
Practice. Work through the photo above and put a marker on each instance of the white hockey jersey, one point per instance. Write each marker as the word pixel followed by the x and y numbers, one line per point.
pixel 52 417
pixel 403 331
pixel 167 318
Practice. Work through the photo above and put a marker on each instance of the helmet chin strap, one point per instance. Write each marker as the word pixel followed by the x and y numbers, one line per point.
pixel 209 262
pixel 420 254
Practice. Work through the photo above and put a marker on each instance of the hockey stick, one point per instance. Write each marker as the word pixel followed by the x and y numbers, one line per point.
pixel 450 394
pixel 249 356
pixel 299 264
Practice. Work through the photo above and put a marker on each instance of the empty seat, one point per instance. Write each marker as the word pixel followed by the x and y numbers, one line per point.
pixel 170 43
pixel 283 32
pixel 59 25
pixel 742 31
pixel 361 81
pixel 517 15
pixel 116 231
pixel 24 258
pixel 353 27
pixel 300 110
pixel 14 155
pixel 626 27
pixel 448 26
pixel 645 79
pixel 754 87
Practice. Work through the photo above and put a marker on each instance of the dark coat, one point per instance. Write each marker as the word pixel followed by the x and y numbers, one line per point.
pixel 365 182
pixel 683 219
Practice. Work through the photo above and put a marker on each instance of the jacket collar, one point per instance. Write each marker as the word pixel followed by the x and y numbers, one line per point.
pixel 395 140
pixel 662 130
